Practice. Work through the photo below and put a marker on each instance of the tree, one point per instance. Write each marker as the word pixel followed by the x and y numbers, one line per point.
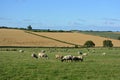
pixel 89 43
pixel 107 43
pixel 119 38
pixel 29 27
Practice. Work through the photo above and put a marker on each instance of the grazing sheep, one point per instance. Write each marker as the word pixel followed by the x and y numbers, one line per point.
pixel 21 51
pixel 80 57
pixel 34 56
pixel 85 54
pixel 77 58
pixel 79 52
pixel 57 56
pixel 40 55
pixel 66 58
pixel 104 54
pixel 42 51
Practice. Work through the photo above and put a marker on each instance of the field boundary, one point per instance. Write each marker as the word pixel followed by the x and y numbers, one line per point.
pixel 29 32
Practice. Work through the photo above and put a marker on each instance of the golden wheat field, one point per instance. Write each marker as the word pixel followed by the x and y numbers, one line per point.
pixel 79 38
pixel 13 37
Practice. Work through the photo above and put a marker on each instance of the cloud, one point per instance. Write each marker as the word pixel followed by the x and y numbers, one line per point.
pixel 113 22
pixel 27 20
pixel 4 18
pixel 81 20
pixel 111 19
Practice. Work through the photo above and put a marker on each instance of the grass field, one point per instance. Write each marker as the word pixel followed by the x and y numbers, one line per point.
pixel 21 66
pixel 112 35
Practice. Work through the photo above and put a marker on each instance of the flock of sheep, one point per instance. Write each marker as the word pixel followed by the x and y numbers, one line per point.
pixel 66 58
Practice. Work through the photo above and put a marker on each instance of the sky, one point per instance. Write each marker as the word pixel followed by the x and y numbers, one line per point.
pixel 98 15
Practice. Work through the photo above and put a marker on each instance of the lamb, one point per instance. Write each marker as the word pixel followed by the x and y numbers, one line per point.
pixel 40 55
pixel 34 56
pixel 104 54
pixel 85 54
pixel 21 51
pixel 57 56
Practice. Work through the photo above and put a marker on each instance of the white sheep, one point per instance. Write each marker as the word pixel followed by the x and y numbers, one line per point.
pixel 34 56
pixel 104 54
pixel 40 55
pixel 67 58
pixel 57 56
pixel 85 54
pixel 77 58
pixel 21 51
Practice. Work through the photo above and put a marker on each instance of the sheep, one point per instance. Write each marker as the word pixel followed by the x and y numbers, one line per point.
pixel 77 58
pixel 66 58
pixel 80 57
pixel 104 54
pixel 42 51
pixel 85 54
pixel 21 51
pixel 57 56
pixel 34 56
pixel 40 55
pixel 79 52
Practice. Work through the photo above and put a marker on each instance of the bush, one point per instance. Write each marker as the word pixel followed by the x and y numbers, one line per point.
pixel 89 43
pixel 119 38
pixel 107 43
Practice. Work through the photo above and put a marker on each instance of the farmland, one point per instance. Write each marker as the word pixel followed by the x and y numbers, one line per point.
pixel 21 66
pixel 13 37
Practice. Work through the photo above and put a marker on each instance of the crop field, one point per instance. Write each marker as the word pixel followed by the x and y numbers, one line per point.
pixel 79 38
pixel 13 37
pixel 21 66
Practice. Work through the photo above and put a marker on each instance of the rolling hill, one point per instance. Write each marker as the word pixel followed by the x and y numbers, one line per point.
pixel 14 37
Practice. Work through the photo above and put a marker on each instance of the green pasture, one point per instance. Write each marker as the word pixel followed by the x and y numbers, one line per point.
pixel 21 66
pixel 105 34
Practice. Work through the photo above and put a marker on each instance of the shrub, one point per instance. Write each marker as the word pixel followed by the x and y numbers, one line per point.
pixel 107 43
pixel 89 43
pixel 119 38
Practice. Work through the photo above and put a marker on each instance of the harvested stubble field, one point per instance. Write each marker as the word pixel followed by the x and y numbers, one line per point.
pixel 12 37
pixel 79 38
pixel 21 66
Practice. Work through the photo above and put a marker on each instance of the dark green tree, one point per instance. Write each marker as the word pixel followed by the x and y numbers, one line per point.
pixel 29 27
pixel 89 43
pixel 107 43
pixel 119 38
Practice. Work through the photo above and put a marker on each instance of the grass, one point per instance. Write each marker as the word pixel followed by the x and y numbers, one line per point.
pixel 20 66
pixel 111 35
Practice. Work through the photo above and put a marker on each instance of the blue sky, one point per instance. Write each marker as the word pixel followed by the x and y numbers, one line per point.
pixel 61 14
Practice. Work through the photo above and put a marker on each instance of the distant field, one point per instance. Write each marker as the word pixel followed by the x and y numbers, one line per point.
pixel 21 66
pixel 13 37
pixel 113 35
pixel 79 38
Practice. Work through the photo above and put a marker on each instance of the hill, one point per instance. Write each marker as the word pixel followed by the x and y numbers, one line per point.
pixel 13 37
